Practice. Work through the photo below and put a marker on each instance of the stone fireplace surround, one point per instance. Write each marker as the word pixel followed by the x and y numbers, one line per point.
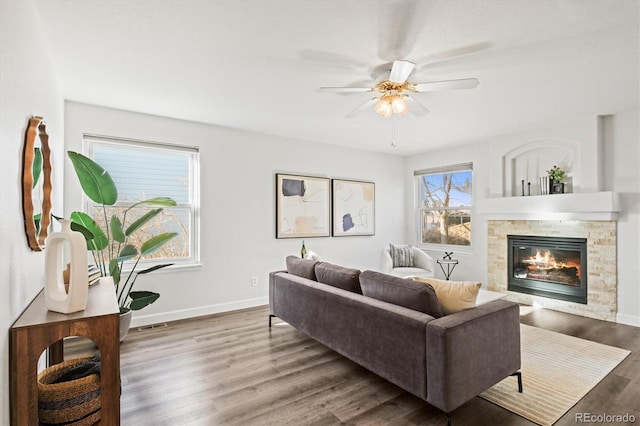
pixel 601 260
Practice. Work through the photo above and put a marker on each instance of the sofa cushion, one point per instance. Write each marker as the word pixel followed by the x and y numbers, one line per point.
pixel 454 296
pixel 401 255
pixel 399 291
pixel 339 276
pixel 304 268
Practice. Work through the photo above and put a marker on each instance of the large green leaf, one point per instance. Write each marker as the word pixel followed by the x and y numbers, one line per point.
pixel 98 240
pixel 154 268
pixel 157 201
pixel 127 253
pixel 114 271
pixel 154 243
pixel 140 299
pixel 116 229
pixel 142 220
pixel 88 235
pixel 95 181
pixel 37 165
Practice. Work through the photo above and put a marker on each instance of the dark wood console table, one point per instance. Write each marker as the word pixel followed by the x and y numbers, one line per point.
pixel 38 329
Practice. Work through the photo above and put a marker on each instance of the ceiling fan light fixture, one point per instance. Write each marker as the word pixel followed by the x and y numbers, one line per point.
pixel 389 105
pixel 398 105
pixel 383 107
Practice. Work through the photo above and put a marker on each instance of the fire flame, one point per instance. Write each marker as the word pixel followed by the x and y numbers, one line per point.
pixel 548 261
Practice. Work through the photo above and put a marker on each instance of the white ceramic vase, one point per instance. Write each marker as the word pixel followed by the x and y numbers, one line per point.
pixel 56 298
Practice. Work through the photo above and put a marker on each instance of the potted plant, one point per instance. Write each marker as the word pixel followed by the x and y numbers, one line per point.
pixel 109 236
pixel 556 174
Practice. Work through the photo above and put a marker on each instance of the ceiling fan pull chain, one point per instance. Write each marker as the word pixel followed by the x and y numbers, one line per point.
pixel 393 130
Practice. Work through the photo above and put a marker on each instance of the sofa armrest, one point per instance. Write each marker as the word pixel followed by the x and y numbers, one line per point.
pixel 272 290
pixel 470 351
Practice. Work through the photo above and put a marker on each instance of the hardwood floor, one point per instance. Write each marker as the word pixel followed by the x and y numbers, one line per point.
pixel 231 369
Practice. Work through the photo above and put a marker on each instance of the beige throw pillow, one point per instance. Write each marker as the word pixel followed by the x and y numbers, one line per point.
pixel 454 296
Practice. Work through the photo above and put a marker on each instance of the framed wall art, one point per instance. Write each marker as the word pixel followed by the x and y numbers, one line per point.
pixel 354 205
pixel 303 206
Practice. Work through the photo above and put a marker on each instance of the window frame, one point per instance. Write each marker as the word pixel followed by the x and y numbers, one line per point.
pixel 90 140
pixel 454 168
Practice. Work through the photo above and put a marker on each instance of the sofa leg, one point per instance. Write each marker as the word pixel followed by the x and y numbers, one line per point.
pixel 271 316
pixel 518 374
pixel 448 419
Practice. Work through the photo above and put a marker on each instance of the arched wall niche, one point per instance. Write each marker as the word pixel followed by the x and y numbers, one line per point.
pixel 573 145
pixel 525 165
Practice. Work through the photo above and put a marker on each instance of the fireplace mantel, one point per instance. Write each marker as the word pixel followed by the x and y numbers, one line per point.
pixel 578 206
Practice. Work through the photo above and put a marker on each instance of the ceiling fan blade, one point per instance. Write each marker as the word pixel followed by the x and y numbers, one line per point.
pixel 432 60
pixel 330 59
pixel 345 89
pixel 400 71
pixel 433 86
pixel 400 23
pixel 415 107
pixel 362 108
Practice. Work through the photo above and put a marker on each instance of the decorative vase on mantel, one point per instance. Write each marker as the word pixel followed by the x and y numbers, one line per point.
pixel 556 187
pixel 57 298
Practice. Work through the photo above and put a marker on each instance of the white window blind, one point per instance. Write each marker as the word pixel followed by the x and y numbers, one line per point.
pixel 143 170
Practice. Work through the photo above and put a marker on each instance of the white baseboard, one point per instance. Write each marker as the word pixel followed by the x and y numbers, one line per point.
pixel 628 320
pixel 142 320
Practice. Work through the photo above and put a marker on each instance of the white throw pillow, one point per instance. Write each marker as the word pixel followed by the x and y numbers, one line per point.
pixel 454 296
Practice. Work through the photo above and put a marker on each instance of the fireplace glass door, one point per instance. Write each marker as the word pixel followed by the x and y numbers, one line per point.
pixel 548 266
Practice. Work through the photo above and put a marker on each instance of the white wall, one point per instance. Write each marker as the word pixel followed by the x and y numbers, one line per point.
pixel 238 206
pixel 622 174
pixel 621 163
pixel 28 87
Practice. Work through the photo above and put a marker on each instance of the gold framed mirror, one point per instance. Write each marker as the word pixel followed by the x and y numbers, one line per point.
pixel 36 183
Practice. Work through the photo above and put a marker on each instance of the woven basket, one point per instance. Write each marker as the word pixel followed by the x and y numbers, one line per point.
pixel 72 403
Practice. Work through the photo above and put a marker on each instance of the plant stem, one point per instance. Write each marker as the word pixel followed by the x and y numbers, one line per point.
pixel 98 257
pixel 122 291
pixel 106 224
pixel 124 221
pixel 104 265
pixel 95 260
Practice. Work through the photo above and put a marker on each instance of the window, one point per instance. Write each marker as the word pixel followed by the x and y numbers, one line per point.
pixel 444 205
pixel 143 170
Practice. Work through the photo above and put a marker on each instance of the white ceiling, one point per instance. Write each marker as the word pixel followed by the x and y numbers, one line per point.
pixel 256 64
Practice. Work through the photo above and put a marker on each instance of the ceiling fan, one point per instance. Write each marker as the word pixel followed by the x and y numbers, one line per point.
pixel 394 98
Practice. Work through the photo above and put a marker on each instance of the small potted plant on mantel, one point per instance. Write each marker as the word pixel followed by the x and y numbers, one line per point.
pixel 556 174
pixel 112 246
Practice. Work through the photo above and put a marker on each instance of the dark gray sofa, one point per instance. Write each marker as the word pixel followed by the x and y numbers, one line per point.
pixel 445 361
